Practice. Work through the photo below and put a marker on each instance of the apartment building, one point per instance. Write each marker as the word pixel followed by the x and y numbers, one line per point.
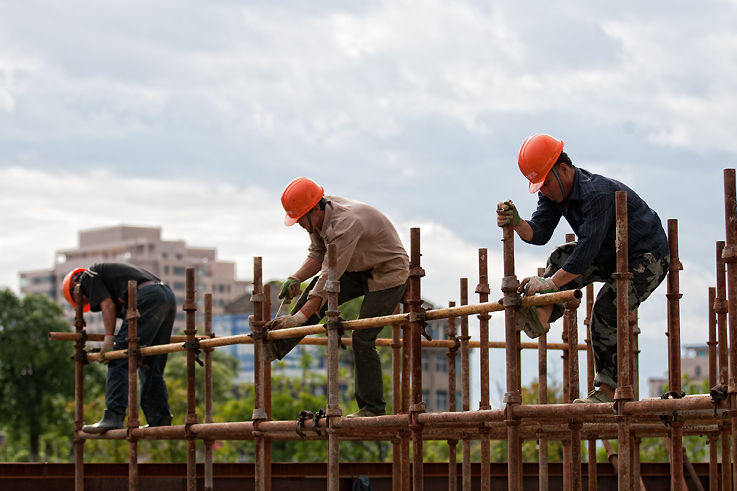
pixel 143 247
pixel 694 363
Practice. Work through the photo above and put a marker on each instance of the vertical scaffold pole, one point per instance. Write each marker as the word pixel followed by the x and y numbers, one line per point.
pixel 190 307
pixel 542 395
pixel 713 440
pixel 208 393
pixel 674 354
pixel 624 391
pixel 483 290
pixel 721 308
pixel 396 402
pixel 80 358
pixel 452 335
pixel 730 257
pixel 132 317
pixel 575 425
pixel 513 396
pixel 259 410
pixel 333 325
pixel 591 465
pixel 406 378
pixel 418 406
pixel 266 317
pixel 568 394
pixel 465 387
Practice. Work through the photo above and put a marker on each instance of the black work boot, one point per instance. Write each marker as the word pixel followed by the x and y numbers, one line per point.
pixel 110 421
pixel 164 421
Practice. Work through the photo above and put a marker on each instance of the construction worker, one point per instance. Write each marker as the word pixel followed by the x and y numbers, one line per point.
pixel 587 202
pixel 371 262
pixel 104 289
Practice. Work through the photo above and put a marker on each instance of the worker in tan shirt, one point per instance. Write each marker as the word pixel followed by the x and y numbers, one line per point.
pixel 371 262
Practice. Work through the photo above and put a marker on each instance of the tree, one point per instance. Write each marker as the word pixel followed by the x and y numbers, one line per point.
pixel 36 376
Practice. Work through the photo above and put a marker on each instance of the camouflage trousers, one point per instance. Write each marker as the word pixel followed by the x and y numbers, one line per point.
pixel 647 274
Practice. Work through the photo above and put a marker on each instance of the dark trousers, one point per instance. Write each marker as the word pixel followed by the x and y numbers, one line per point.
pixel 157 307
pixel 369 386
pixel 647 274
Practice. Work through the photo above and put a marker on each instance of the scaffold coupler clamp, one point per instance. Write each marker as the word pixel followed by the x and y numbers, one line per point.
pixel 320 414
pixel 137 353
pixel 337 324
pixel 718 393
pixel 420 317
pixel 194 345
pixel 668 419
pixel 303 416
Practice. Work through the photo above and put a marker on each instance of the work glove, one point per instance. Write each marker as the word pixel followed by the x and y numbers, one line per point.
pixel 286 321
pixel 506 213
pixel 290 288
pixel 537 284
pixel 107 345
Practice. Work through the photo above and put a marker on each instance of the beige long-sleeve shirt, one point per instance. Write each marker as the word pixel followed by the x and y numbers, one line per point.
pixel 365 240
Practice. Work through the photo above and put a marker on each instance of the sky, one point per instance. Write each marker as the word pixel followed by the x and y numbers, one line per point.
pixel 193 117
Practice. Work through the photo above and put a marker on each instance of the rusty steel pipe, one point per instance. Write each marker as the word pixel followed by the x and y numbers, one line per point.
pixel 71 336
pixel 452 334
pixel 483 291
pixel 729 254
pixel 208 393
pixel 132 316
pixel 190 307
pixel 334 412
pixel 406 363
pixel 721 308
pixel 418 406
pixel 259 416
pixel 513 396
pixel 79 361
pixel 465 387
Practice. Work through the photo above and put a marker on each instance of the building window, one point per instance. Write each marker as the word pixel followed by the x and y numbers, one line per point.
pixel 442 400
pixel 221 288
pixel 166 269
pixel 698 372
pixel 178 270
pixel 425 363
pixel 441 364
pixel 201 272
pixel 179 285
pixel 163 254
pixel 426 397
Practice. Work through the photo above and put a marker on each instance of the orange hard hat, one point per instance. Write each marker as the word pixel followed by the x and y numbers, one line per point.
pixel 67 292
pixel 537 156
pixel 299 197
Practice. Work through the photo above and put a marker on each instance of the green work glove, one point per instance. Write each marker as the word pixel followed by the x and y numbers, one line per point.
pixel 506 213
pixel 537 284
pixel 290 288
pixel 107 345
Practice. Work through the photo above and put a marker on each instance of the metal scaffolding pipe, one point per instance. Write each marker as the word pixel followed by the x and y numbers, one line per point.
pixel 132 317
pixel 674 353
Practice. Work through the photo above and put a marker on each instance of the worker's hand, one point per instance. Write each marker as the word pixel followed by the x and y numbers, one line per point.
pixel 286 321
pixel 290 288
pixel 107 345
pixel 537 284
pixel 506 213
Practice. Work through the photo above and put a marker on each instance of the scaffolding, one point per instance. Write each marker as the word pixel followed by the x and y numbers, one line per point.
pixel 628 419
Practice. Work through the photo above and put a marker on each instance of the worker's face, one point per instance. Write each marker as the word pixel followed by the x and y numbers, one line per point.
pixel 304 222
pixel 551 187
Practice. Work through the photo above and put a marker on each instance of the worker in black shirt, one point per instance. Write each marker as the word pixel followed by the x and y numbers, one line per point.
pixel 105 289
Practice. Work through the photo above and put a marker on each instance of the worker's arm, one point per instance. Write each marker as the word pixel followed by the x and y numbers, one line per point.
pixel 309 268
pixel 538 284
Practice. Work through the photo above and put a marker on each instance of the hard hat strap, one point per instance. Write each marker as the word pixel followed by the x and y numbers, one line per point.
pixel 562 188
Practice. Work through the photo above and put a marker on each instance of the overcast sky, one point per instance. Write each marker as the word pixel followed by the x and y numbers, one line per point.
pixel 193 116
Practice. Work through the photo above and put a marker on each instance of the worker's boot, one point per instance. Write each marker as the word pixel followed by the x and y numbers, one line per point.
pixel 110 421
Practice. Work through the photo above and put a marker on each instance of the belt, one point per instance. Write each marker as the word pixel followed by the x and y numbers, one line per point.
pixel 151 282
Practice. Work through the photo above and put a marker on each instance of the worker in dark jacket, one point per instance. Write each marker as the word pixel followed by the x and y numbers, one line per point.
pixel 587 202
pixel 104 289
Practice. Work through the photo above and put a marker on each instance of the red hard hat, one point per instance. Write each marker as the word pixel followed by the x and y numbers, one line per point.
pixel 537 156
pixel 67 292
pixel 299 197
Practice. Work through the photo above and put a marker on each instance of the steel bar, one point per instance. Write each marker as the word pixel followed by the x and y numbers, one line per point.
pixel 465 387
pixel 721 308
pixel 71 336
pixel 418 406
pixel 712 343
pixel 406 379
pixel 483 290
pixel 79 361
pixel 333 411
pixel 208 394
pixel 259 416
pixel 513 395
pixel 266 316
pixel 674 352
pixel 592 470
pixel 396 346
pixel 190 307
pixel 568 393
pixel 624 381
pixel 730 257
pixel 132 317
pixel 452 335
pixel 574 424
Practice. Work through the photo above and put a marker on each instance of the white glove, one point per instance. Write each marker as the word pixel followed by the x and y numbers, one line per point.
pixel 107 345
pixel 537 284
pixel 286 321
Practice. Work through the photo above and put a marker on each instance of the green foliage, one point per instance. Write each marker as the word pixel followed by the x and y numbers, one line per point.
pixel 36 376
